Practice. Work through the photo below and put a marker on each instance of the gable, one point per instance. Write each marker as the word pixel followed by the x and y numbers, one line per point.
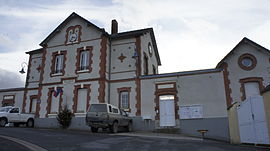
pixel 245 46
pixel 74 24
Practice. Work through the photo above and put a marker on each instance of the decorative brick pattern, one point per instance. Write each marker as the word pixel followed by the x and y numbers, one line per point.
pixel 78 58
pixel 102 69
pixel 137 79
pixel 249 56
pixel 259 80
pixel 166 91
pixel 75 94
pixel 227 82
pixel 72 28
pixel 26 84
pixel 54 54
pixel 128 89
pixel 40 82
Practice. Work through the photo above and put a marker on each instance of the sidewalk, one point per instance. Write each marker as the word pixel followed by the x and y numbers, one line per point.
pixel 158 135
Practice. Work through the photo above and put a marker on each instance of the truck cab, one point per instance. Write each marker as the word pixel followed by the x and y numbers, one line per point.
pixel 13 115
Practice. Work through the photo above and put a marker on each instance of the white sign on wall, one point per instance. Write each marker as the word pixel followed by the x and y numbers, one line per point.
pixel 191 111
pixel 9 97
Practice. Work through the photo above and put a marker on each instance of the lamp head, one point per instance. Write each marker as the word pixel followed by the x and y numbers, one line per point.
pixel 22 71
pixel 135 55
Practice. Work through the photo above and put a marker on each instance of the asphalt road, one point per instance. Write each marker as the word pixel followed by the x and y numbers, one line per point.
pixel 67 140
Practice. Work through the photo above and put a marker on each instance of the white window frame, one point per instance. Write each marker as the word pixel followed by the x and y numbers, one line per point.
pixel 59 59
pixel 124 99
pixel 84 62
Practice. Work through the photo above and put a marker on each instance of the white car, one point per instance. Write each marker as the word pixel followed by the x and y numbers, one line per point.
pixel 13 115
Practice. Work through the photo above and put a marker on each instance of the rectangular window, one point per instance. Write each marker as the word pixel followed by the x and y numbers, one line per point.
pixel 55 104
pixel 8 100
pixel 84 62
pixel 145 64
pixel 59 63
pixel 124 96
pixel 115 110
pixel 33 105
pixel 82 100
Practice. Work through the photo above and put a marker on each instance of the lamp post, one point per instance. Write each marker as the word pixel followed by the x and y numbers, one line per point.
pixel 23 65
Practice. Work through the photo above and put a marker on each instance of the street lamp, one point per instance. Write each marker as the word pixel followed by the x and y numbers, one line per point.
pixel 23 65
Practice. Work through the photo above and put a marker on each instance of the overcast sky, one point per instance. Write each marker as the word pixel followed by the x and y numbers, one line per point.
pixel 190 34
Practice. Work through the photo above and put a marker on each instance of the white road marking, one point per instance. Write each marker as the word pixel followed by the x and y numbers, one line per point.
pixel 30 146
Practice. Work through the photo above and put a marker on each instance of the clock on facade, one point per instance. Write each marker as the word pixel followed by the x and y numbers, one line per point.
pixel 73 34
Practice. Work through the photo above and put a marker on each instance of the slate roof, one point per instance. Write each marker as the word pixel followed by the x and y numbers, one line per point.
pixel 139 32
pixel 183 73
pixel 39 50
pixel 12 89
pixel 243 41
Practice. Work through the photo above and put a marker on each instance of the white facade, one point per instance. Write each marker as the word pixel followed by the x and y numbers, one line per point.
pixel 127 63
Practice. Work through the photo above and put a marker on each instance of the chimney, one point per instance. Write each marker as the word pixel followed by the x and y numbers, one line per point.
pixel 114 27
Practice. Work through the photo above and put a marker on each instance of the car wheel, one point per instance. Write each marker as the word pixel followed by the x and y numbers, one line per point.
pixel 16 124
pixel 3 122
pixel 129 127
pixel 114 127
pixel 30 123
pixel 94 130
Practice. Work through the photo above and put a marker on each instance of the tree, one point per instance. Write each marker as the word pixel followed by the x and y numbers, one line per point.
pixel 64 118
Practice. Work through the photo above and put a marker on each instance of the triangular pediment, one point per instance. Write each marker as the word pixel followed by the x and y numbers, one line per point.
pixel 244 41
pixel 64 24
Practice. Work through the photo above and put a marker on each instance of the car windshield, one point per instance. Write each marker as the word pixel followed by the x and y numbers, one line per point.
pixel 5 109
pixel 98 108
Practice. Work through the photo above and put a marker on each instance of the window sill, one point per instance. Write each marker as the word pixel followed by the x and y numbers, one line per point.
pixel 83 71
pixel 52 115
pixel 80 114
pixel 127 110
pixel 56 74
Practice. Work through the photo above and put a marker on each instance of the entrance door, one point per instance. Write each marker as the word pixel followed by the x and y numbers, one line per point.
pixel 166 110
pixel 252 122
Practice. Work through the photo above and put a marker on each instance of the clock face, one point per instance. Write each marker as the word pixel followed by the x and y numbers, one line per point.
pixel 73 37
pixel 73 34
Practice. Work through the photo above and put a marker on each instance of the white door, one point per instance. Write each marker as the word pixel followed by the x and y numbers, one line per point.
pixel 260 123
pixel 166 110
pixel 252 122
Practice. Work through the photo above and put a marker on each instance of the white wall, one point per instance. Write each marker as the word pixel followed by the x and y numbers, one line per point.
pixel 199 89
pixel 262 69
pixel 18 97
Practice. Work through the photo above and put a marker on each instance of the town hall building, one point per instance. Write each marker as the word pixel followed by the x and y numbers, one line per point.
pixel 79 64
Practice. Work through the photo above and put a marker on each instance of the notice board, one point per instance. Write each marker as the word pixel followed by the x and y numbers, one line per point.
pixel 191 111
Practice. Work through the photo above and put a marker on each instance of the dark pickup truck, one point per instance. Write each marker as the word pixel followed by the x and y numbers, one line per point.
pixel 107 116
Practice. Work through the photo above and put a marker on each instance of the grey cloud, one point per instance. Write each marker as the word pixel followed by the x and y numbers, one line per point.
pixel 9 80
